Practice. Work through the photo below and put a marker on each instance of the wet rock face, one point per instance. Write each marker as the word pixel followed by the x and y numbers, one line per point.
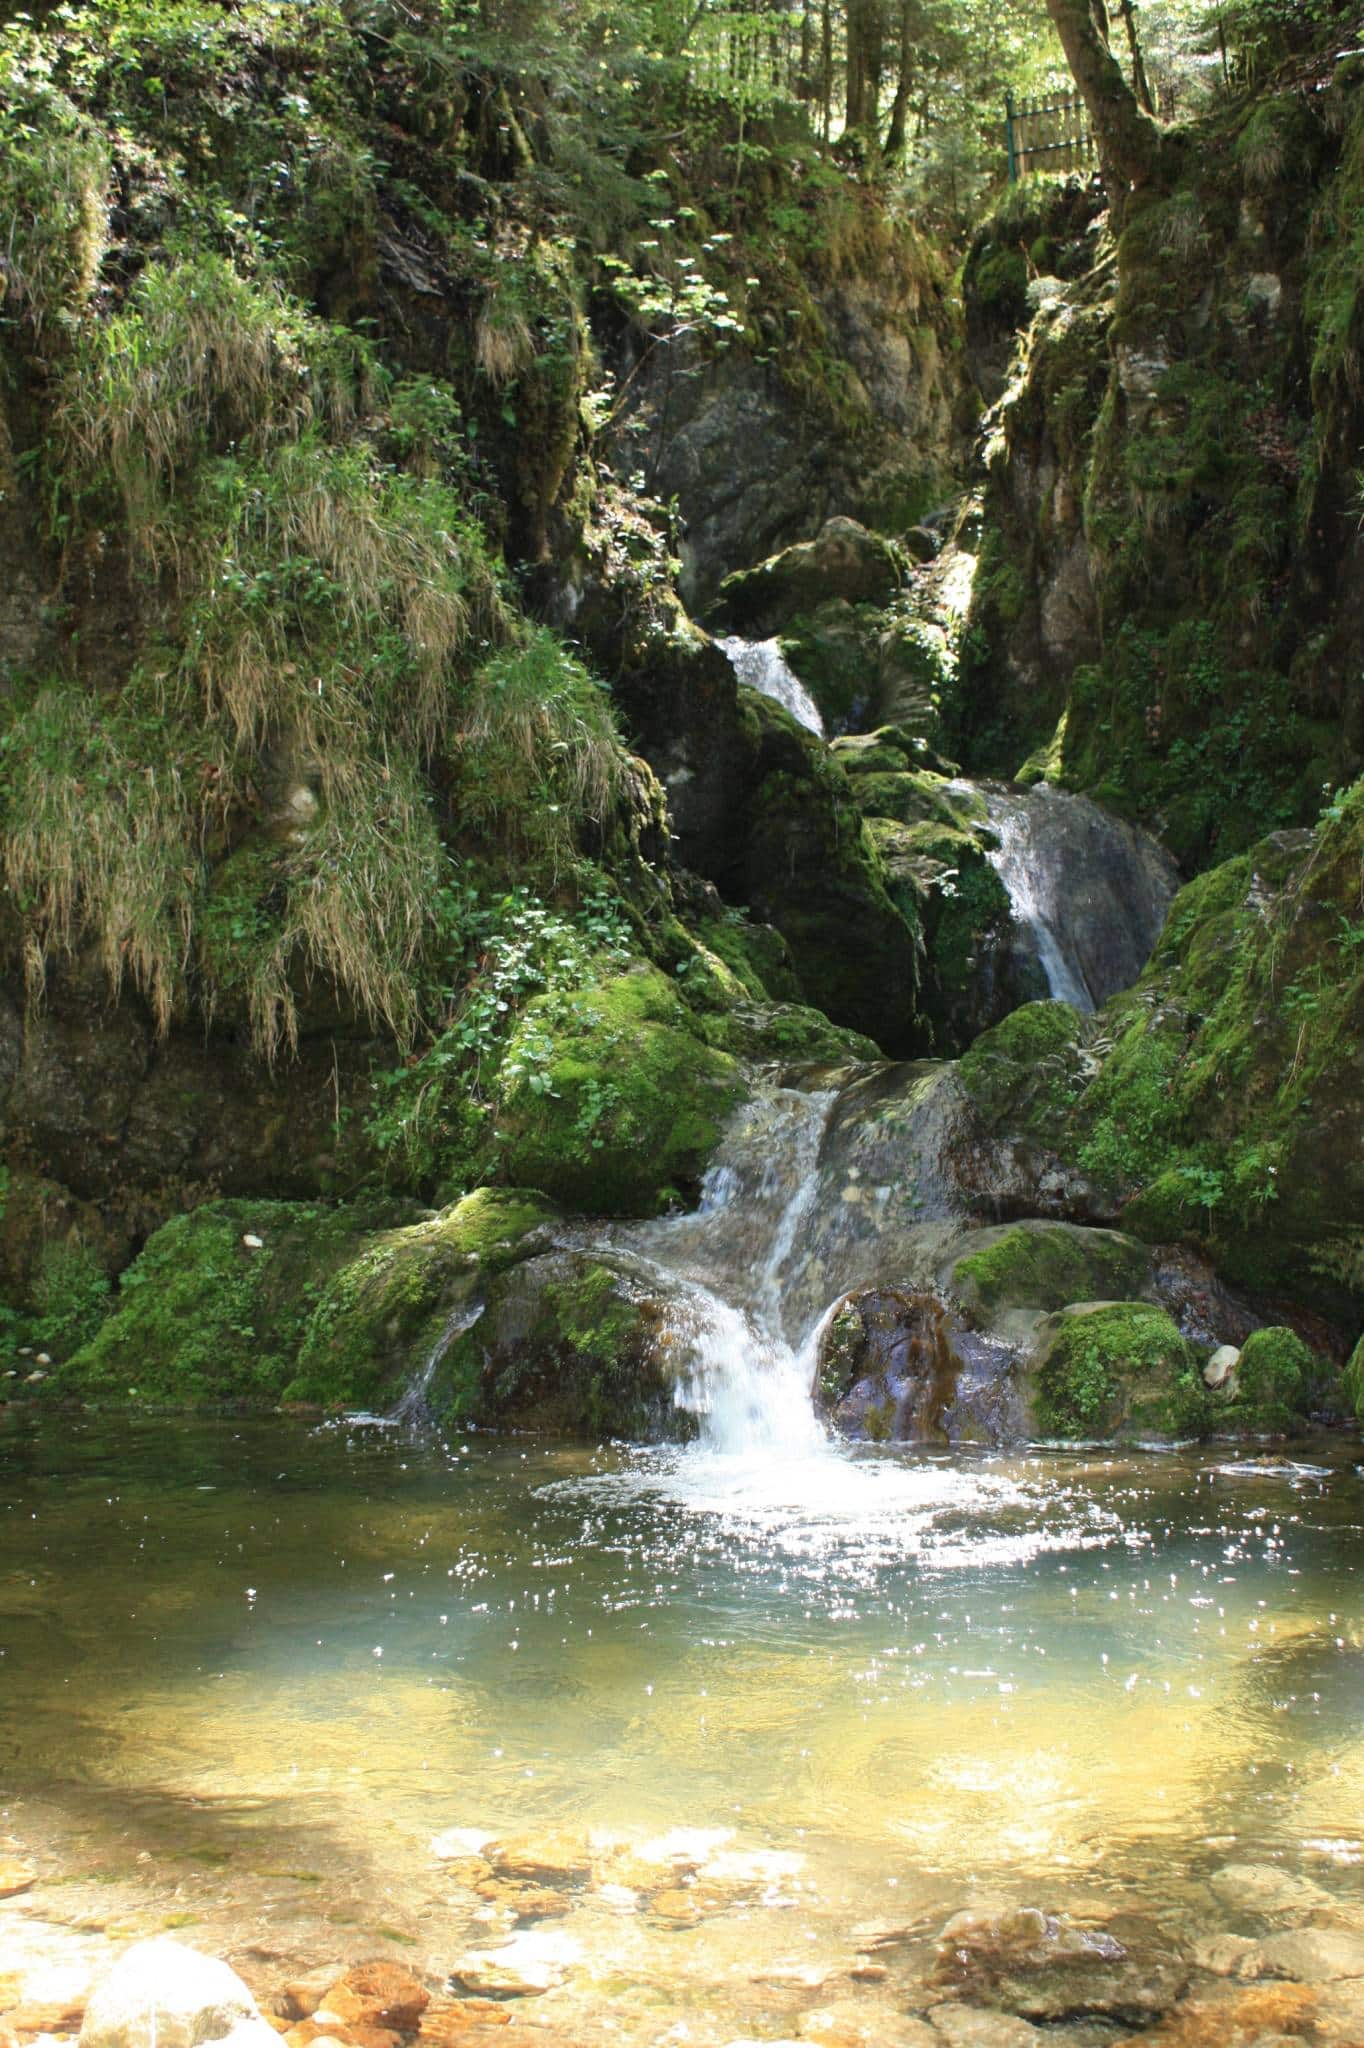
pixel 752 469
pixel 904 1368
pixel 570 1342
pixel 1088 892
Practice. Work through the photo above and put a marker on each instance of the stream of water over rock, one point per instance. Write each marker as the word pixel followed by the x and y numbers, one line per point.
pixel 768 1710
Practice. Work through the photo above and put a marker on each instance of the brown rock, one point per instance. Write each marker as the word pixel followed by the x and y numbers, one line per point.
pixel 378 1994
pixel 15 1877
pixel 26 2020
pixel 301 1997
pixel 541 1859
pixel 451 2022
pixel 526 1901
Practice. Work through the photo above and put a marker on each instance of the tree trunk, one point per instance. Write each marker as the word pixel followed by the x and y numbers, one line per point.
pixel 1141 84
pixel 866 38
pixel 1133 151
pixel 899 112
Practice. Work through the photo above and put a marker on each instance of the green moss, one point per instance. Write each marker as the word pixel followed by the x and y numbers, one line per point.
pixel 786 1035
pixel 1352 1383
pixel 888 751
pixel 1028 1073
pixel 383 1311
pixel 611 1103
pixel 1119 1368
pixel 1047 1265
pixel 203 1318
pixel 1274 1375
pixel 755 954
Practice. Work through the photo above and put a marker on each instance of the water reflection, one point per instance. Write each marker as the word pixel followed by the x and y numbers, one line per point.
pixel 914 1675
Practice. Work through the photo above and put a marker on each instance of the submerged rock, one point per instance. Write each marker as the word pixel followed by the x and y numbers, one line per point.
pixel 1045 1967
pixel 161 1994
pixel 1266 1890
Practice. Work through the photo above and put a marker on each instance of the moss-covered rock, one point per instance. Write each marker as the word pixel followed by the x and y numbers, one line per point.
pixel 845 563
pixel 612 1103
pixel 1111 1369
pixel 386 1311
pixel 1352 1381
pixel 567 1343
pixel 1274 1376
pixel 1027 1074
pixel 215 1309
pixel 1038 1265
pixel 810 868
pixel 786 1035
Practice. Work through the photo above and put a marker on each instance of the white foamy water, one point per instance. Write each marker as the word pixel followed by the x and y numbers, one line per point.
pixel 1020 864
pixel 761 665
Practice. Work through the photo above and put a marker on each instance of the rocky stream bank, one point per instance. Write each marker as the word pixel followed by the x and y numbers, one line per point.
pixel 1275 1956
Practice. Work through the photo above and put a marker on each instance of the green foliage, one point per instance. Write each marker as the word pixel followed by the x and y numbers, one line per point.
pixel 70 1300
pixel 54 175
pixel 432 1116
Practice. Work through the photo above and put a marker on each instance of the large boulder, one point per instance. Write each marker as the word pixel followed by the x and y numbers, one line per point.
pixel 573 1343
pixel 808 866
pixel 612 1103
pixel 1105 1369
pixel 845 563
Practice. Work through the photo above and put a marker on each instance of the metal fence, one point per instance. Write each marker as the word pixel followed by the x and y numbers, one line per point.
pixel 1047 134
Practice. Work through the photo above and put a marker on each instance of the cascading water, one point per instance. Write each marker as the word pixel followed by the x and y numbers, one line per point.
pixel 762 666
pixel 727 1269
pixel 813 1194
pixel 1089 892
pixel 412 1408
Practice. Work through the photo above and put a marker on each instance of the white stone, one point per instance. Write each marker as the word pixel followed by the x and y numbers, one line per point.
pixel 252 1242
pixel 522 1968
pixel 1221 1366
pixel 457 1842
pixel 1266 290
pixel 1264 1888
pixel 161 1994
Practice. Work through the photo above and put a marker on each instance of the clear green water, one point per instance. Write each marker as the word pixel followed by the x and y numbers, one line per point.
pixel 272 1661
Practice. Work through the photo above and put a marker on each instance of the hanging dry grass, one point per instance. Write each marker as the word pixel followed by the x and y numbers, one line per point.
pixel 104 826
pixel 201 359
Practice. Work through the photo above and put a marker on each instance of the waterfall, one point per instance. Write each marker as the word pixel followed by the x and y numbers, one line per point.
pixel 761 665
pixel 413 1406
pixel 1089 892
pixel 731 1267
